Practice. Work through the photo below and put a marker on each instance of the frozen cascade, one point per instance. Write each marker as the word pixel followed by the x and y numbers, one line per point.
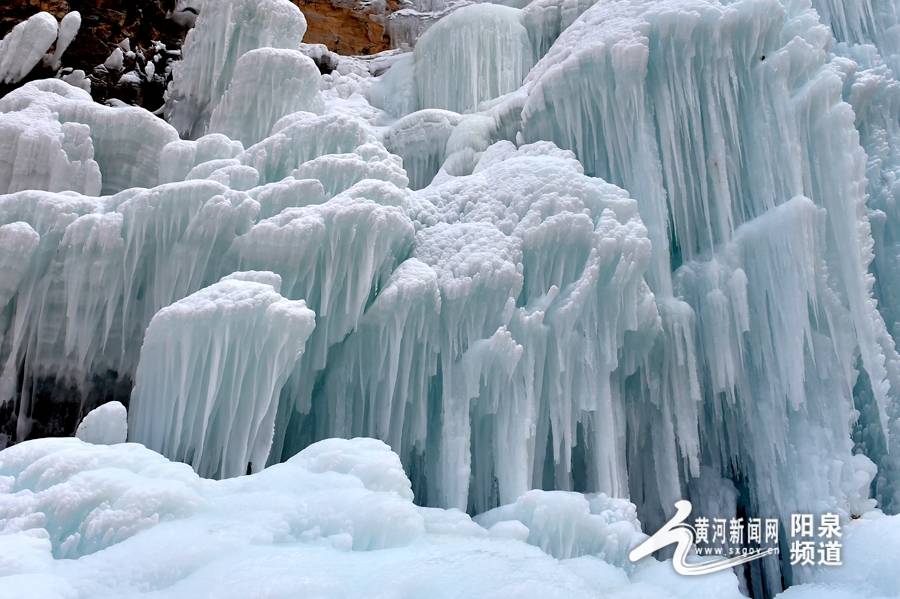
pixel 339 172
pixel 106 266
pixel 41 152
pixel 865 22
pixel 687 142
pixel 230 432
pixel 62 140
pixel 351 243
pixel 18 242
pixel 212 52
pixel 420 139
pixel 487 60
pixel 872 88
pixel 300 137
pixel 546 259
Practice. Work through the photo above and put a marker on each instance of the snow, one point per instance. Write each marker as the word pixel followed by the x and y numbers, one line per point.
pixel 116 60
pixel 335 520
pixel 869 570
pixel 569 525
pixel 68 29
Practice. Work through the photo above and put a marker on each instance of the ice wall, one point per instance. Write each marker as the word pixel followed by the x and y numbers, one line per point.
pixel 710 147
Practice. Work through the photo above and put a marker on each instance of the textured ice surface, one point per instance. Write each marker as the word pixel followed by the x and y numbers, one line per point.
pixel 568 525
pixel 29 42
pixel 267 84
pixel 336 520
pixel 57 138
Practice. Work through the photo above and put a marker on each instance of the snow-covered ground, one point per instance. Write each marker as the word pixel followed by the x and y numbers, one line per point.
pixel 648 250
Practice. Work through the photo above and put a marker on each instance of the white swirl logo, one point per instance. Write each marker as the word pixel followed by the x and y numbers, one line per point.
pixel 682 535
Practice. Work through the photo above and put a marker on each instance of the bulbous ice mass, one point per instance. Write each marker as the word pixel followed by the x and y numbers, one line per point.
pixel 104 425
pixel 267 84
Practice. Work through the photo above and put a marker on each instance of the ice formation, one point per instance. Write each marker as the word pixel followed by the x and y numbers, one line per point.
pixel 486 61
pixel 251 337
pixel 27 45
pixel 213 50
pixel 335 520
pixel 640 249
pixel 106 424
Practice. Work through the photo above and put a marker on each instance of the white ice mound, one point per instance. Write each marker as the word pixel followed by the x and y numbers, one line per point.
pixel 339 172
pixel 369 460
pixel 68 29
pixel 479 52
pixel 213 49
pixel 104 425
pixel 100 522
pixel 211 369
pixel 420 139
pixel 267 84
pixel 302 136
pixel 567 525
pixel 869 570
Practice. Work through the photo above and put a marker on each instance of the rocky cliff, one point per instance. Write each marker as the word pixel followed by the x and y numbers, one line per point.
pixel 155 29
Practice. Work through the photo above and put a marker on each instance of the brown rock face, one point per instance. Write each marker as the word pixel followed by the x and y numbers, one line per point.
pixel 346 27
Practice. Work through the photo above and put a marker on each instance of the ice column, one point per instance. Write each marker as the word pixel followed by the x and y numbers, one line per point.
pixel 212 366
